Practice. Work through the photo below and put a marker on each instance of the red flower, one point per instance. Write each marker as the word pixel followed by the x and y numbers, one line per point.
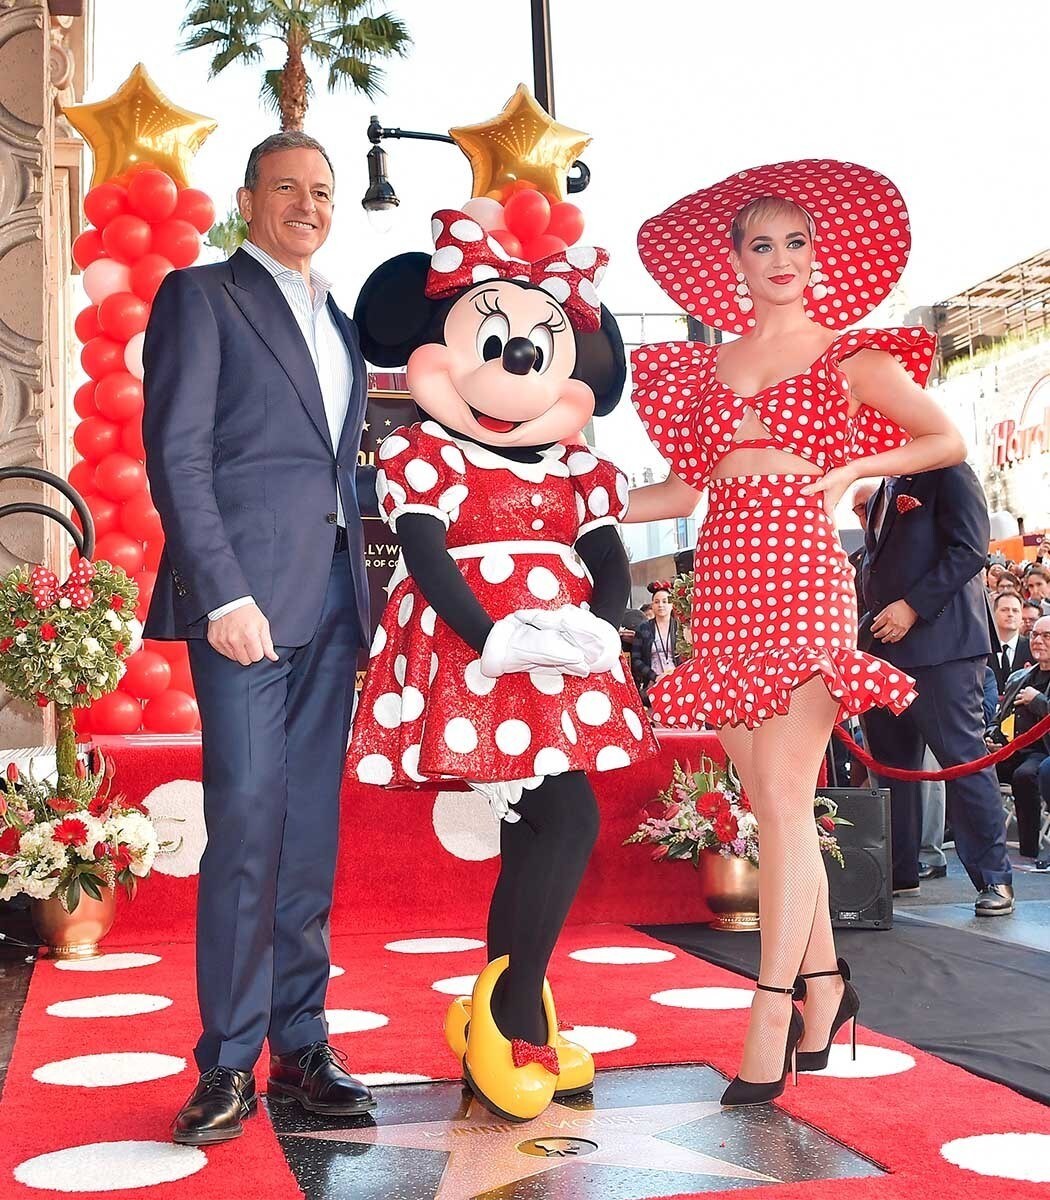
pixel 80 769
pixel 101 850
pixel 61 805
pixel 672 811
pixel 48 632
pixel 22 587
pixel 99 805
pixel 726 827
pixel 9 841
pixel 12 772
pixel 70 832
pixel 826 823
pixel 41 700
pixel 744 803
pixel 660 853
pixel 711 804
pixel 80 689
pixel 118 647
pixel 120 858
pixel 20 622
pixel 117 603
pixel 6 644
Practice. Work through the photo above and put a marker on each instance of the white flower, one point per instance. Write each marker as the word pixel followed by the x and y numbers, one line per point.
pixel 137 833
pixel 113 621
pixel 91 645
pixel 20 639
pixel 96 833
pixel 65 602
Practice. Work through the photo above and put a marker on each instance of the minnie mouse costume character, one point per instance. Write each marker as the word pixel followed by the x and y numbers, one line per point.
pixel 497 660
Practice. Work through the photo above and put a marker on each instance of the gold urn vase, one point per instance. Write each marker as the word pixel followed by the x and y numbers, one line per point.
pixel 77 934
pixel 730 889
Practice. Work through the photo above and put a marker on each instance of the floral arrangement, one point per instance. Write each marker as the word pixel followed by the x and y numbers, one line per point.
pixel 67 839
pixel 707 810
pixel 682 607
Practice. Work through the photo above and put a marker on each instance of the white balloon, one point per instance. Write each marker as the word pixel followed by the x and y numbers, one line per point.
pixel 133 354
pixel 487 212
pixel 1003 525
pixel 105 276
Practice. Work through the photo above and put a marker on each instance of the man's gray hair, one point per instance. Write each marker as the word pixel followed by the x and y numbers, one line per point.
pixel 291 139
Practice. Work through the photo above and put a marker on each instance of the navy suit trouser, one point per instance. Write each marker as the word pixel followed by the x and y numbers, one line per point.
pixel 947 716
pixel 274 744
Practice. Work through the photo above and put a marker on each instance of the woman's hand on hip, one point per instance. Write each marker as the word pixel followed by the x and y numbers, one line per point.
pixel 832 487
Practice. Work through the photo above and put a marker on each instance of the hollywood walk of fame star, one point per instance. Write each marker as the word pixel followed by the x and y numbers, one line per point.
pixel 485 1153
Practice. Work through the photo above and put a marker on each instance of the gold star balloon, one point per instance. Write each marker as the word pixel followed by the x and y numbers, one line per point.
pixel 523 142
pixel 138 123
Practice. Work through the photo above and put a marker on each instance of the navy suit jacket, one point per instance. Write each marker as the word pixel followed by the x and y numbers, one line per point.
pixel 932 556
pixel 239 456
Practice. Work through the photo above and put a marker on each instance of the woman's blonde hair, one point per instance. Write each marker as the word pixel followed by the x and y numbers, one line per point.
pixel 762 207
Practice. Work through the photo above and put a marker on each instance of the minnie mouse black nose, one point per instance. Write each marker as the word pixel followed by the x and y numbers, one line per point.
pixel 518 356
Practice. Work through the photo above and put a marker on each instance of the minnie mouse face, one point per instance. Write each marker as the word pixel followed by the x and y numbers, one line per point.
pixel 502 375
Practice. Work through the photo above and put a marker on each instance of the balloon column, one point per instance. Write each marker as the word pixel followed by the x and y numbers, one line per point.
pixel 144 223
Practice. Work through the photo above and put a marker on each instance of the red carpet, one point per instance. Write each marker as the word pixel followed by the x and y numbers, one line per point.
pixel 901 1120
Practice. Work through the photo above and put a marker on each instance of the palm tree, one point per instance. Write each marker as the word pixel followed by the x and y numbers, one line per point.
pixel 341 35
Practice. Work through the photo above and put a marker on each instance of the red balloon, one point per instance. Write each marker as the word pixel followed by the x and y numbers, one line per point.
pixel 178 241
pixel 101 356
pixel 104 512
pixel 154 550
pixel 119 397
pixel 84 399
pixel 522 185
pixel 140 520
pixel 82 477
pixel 122 315
pixel 543 246
pixel 171 712
pixel 152 194
pixel 82 723
pixel 147 275
pixel 196 207
pixel 87 247
pixel 508 241
pixel 170 650
pixel 527 214
pixel 116 713
pixel 118 549
pixel 131 440
pixel 147 581
pixel 105 202
pixel 95 437
pixel 127 238
pixel 86 325
pixel 181 676
pixel 147 675
pixel 566 222
pixel 119 476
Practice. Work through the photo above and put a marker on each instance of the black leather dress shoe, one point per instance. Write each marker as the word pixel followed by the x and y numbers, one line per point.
pixel 315 1078
pixel 929 871
pixel 221 1100
pixel 996 900
pixel 906 889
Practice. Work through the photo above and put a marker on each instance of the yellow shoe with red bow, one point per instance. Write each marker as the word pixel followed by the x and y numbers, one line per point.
pixel 511 1077
pixel 575 1061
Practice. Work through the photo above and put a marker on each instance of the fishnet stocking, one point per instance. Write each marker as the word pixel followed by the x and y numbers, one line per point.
pixel 778 764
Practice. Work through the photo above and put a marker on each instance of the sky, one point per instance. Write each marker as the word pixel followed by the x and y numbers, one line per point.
pixel 946 97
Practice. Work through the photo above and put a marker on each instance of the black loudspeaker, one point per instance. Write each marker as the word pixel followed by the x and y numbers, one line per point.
pixel 861 893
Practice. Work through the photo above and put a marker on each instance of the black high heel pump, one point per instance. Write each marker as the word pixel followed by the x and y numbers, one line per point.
pixel 849 1006
pixel 740 1092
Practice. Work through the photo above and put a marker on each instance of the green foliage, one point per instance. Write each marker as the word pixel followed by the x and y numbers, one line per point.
pixel 227 235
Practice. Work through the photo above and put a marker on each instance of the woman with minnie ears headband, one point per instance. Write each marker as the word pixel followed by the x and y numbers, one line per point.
pixel 653 652
pixel 498 660
pixel 778 425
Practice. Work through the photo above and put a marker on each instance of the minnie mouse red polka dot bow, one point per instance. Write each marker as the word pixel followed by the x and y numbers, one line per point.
pixel 465 255
pixel 46 591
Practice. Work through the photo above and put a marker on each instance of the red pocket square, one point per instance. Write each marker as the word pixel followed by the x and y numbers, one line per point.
pixel 907 503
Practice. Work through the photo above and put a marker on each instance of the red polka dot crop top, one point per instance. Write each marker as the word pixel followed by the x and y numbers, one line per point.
pixel 691 416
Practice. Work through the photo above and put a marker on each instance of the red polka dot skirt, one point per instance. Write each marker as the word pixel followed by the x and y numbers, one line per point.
pixel 774 606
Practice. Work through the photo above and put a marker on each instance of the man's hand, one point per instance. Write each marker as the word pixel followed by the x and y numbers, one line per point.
pixel 1026 695
pixel 243 635
pixel 894 621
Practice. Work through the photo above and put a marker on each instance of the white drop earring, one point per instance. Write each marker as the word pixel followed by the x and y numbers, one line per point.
pixel 817 281
pixel 743 296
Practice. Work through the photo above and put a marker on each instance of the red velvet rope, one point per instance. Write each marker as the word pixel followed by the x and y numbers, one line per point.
pixel 989 760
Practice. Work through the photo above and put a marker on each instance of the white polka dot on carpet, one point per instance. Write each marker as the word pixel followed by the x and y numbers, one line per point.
pixel 434 945
pixel 704 997
pixel 118 1004
pixel 458 985
pixel 109 962
pixel 353 1020
pixel 1003 1155
pixel 871 1062
pixel 621 955
pixel 110 1166
pixel 599 1038
pixel 109 1070
pixel 390 1078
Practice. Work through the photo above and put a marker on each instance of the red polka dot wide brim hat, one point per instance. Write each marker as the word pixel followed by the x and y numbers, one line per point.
pixel 861 243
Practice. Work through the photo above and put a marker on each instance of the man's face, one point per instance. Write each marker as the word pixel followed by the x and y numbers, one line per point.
pixel 289 210
pixel 1008 616
pixel 1037 587
pixel 1029 615
pixel 862 493
pixel 1041 642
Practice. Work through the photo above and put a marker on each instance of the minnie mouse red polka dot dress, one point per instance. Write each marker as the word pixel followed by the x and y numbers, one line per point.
pixel 426 711
pixel 774 602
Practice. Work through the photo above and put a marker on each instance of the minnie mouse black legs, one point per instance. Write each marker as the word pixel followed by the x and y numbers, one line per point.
pixel 543 858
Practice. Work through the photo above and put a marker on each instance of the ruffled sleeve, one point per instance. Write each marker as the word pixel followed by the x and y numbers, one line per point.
pixel 419 473
pixel 600 487
pixel 914 348
pixel 669 382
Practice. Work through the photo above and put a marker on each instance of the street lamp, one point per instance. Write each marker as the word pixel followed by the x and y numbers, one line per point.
pixel 380 198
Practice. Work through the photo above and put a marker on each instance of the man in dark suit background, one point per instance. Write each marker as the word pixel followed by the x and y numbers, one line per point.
pixel 1014 650
pixel 925 548
pixel 255 399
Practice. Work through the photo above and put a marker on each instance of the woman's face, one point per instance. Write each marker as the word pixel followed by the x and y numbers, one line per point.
pixel 995 573
pixel 661 606
pixel 776 258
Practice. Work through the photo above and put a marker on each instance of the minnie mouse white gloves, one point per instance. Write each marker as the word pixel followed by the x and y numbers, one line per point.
pixel 561 641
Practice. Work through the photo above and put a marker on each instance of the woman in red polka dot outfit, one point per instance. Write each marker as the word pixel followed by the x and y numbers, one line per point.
pixel 498 657
pixel 776 426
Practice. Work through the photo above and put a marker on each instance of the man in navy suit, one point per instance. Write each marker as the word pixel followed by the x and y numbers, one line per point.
pixel 255 401
pixel 925 547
